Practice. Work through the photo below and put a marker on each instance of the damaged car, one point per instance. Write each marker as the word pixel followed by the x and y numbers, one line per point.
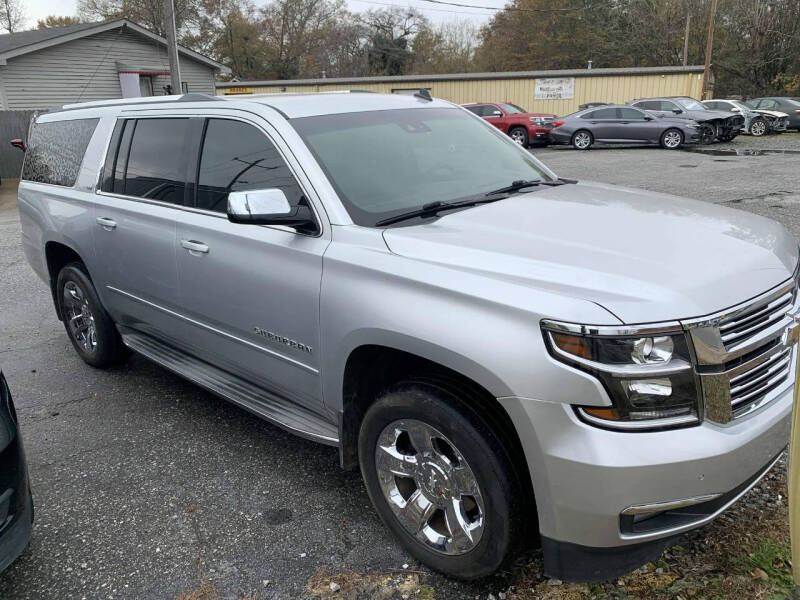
pixel 715 125
pixel 757 122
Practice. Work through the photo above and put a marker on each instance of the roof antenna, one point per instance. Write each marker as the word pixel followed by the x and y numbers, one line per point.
pixel 423 94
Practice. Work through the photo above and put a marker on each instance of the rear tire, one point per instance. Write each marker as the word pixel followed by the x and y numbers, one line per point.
pixel 582 139
pixel 455 506
pixel 519 135
pixel 89 328
pixel 672 139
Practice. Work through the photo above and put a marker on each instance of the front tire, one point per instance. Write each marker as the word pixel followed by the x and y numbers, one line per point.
pixel 519 135
pixel 89 328
pixel 758 127
pixel 439 479
pixel 582 139
pixel 672 139
pixel 708 133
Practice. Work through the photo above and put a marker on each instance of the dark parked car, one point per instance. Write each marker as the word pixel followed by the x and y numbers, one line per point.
pixel 791 106
pixel 16 505
pixel 623 125
pixel 523 127
pixel 715 125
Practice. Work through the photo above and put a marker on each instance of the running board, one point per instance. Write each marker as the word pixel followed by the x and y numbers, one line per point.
pixel 285 414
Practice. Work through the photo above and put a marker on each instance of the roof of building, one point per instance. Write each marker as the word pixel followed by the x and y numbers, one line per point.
pixel 24 42
pixel 468 76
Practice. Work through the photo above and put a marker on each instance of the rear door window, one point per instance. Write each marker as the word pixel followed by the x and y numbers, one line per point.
pixel 156 161
pixel 55 151
pixel 603 113
pixel 630 114
pixel 238 157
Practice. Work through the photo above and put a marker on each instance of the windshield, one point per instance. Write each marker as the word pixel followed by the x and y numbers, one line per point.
pixel 383 163
pixel 690 104
pixel 512 109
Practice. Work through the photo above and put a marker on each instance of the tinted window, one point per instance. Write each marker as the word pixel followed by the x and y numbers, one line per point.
pixel 513 109
pixel 478 110
pixel 55 151
pixel 603 113
pixel 237 157
pixel 630 114
pixel 768 104
pixel 648 105
pixel 156 165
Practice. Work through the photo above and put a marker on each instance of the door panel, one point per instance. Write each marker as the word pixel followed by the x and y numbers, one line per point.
pixel 251 292
pixel 135 223
pixel 253 297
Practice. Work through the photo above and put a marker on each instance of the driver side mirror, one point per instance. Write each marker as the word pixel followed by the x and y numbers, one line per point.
pixel 268 207
pixel 736 109
pixel 496 113
pixel 677 111
pixel 648 118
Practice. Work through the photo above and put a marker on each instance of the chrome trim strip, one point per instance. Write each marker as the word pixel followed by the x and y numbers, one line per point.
pixel 694 524
pixel 644 509
pixel 644 424
pixel 283 357
pixel 613 330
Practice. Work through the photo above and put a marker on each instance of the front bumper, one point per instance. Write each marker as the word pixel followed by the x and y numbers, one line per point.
pixel 538 134
pixel 585 478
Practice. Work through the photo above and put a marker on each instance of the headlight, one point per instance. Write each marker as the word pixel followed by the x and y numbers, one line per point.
pixel 538 120
pixel 647 373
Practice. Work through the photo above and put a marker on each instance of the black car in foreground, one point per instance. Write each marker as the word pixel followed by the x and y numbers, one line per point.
pixel 622 125
pixel 16 504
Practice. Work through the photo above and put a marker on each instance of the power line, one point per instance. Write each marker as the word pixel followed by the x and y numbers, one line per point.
pixel 514 8
pixel 443 10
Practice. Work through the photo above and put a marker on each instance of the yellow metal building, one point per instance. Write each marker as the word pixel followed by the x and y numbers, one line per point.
pixel 557 92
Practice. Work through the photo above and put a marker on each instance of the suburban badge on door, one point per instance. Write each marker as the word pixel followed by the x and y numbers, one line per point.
pixel 282 339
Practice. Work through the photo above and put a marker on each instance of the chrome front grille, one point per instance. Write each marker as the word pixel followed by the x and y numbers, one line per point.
pixel 745 355
pixel 751 322
pixel 750 388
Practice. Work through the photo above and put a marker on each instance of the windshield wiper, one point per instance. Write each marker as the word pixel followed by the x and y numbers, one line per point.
pixel 433 208
pixel 523 183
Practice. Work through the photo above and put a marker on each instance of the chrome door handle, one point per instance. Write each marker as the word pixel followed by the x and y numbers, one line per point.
pixel 194 247
pixel 106 223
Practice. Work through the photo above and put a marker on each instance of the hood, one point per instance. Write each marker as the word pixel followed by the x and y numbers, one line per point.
pixel 643 256
pixel 705 115
pixel 770 113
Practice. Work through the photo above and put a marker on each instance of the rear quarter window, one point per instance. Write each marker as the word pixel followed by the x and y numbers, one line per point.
pixel 55 151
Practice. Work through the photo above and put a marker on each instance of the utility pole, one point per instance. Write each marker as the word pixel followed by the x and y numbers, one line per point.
pixel 686 39
pixel 172 46
pixel 712 11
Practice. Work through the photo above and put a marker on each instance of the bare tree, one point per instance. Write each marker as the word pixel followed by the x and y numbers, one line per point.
pixel 56 21
pixel 12 15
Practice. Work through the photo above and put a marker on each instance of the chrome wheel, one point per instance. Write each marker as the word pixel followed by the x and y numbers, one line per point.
pixel 582 140
pixel 79 317
pixel 430 487
pixel 759 127
pixel 518 136
pixel 672 139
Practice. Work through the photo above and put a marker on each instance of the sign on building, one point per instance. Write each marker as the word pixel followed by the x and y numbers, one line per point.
pixel 554 88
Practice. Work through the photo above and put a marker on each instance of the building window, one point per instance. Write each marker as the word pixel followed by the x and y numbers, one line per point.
pixel 145 85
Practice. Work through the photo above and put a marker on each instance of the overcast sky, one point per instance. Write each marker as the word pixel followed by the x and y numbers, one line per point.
pixel 38 9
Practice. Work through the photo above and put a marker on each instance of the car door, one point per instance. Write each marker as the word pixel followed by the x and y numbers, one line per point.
pixel 251 293
pixel 635 127
pixel 495 116
pixel 604 124
pixel 135 220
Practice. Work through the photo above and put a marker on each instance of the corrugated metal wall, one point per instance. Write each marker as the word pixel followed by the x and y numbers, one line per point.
pixel 616 88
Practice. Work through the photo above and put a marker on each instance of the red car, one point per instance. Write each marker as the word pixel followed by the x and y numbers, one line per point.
pixel 523 127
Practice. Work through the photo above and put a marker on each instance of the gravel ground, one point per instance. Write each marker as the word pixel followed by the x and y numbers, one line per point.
pixel 148 487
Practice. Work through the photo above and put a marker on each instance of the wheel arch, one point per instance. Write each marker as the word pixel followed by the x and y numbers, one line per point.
pixel 372 368
pixel 57 256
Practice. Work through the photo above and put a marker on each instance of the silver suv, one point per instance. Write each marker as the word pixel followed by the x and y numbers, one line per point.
pixel 506 355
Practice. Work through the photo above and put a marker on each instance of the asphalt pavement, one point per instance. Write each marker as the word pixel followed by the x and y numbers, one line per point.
pixel 149 487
